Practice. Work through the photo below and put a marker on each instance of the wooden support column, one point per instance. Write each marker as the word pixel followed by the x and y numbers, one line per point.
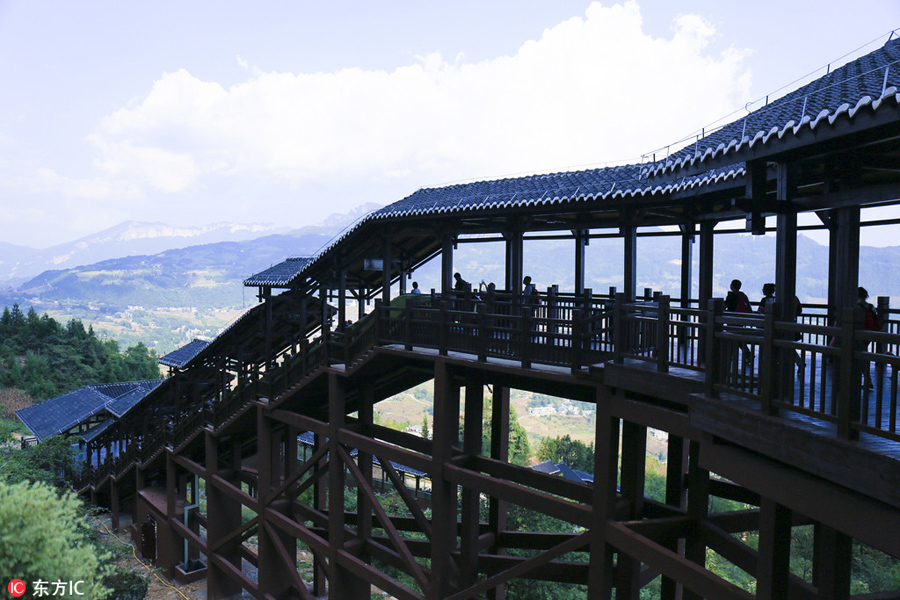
pixel 705 266
pixel 634 465
pixel 386 272
pixel 515 250
pixel 469 513
pixel 267 299
pixel 446 263
pixel 223 517
pixel 366 414
pixel 687 255
pixel 676 460
pixel 581 241
pixel 603 496
pixel 444 494
pixel 629 270
pixel 166 546
pixel 832 559
pixel 773 567
pixel 786 243
pixel 342 298
pixel 698 509
pixel 499 451
pixel 756 190
pixel 843 265
pixel 320 498
pixel 361 306
pixel 324 314
pixel 342 583
pixel 277 550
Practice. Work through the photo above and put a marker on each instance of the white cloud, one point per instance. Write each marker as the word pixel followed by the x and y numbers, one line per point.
pixel 592 89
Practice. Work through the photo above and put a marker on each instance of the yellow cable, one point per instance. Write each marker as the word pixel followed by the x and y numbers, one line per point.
pixel 140 562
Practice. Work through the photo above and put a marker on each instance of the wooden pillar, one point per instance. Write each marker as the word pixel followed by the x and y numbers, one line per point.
pixel 386 272
pixel 364 461
pixel 446 263
pixel 515 249
pixel 499 451
pixel 320 498
pixel 342 583
pixel 705 266
pixel 267 299
pixel 832 559
pixel 342 298
pixel 786 243
pixel 675 463
pixel 843 265
pixel 469 512
pixel 401 268
pixel 687 255
pixel 697 508
pixel 634 464
pixel 444 494
pixel 581 241
pixel 603 496
pixel 324 314
pixel 223 517
pixel 361 307
pixel 773 568
pixel 629 271
pixel 277 550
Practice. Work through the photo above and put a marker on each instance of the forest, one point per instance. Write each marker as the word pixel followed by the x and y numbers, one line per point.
pixel 43 358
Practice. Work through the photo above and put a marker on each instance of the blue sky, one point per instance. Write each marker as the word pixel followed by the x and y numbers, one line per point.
pixel 284 112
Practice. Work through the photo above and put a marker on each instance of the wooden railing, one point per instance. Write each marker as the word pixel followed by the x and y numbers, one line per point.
pixel 569 332
pixel 807 366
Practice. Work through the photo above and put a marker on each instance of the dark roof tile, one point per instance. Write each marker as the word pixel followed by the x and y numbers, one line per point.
pixel 180 357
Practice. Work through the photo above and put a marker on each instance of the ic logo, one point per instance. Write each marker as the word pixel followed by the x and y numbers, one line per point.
pixel 16 588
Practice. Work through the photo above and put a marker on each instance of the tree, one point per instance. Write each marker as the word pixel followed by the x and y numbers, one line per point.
pixel 566 450
pixel 43 538
pixel 426 433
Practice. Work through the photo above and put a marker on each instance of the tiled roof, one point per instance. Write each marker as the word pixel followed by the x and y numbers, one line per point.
pixel 180 357
pixel 58 415
pixel 126 402
pixel 95 431
pixel 867 83
pixel 279 275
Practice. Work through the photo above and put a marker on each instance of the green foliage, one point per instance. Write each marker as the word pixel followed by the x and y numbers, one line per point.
pixel 566 450
pixel 46 359
pixel 426 432
pixel 42 537
pixel 51 462
pixel 127 585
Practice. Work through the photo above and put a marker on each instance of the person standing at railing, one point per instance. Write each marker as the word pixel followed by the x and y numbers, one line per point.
pixel 871 322
pixel 768 291
pixel 736 300
pixel 415 288
pixel 530 298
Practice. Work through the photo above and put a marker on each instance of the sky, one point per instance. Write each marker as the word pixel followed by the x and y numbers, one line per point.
pixel 284 112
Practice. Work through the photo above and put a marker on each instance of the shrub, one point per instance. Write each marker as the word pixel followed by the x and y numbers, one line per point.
pixel 43 538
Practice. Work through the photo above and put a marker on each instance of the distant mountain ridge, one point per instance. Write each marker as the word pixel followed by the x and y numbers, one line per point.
pixel 205 275
pixel 209 275
pixel 18 263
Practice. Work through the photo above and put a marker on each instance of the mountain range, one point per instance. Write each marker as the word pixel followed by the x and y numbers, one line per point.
pixel 156 265
pixel 208 275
